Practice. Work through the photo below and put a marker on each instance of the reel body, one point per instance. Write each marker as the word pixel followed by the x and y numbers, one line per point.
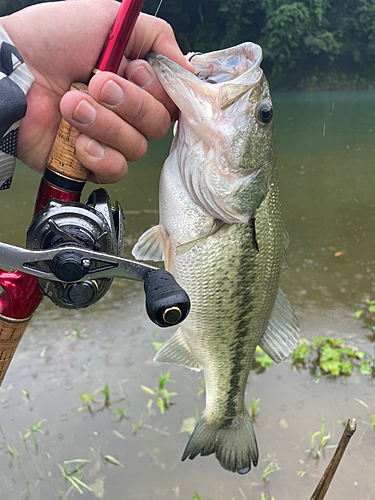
pixel 93 225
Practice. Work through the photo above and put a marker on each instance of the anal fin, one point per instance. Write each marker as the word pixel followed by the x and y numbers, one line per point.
pixel 176 351
pixel 282 332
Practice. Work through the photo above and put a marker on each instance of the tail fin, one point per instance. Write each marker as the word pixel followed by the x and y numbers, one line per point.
pixel 235 447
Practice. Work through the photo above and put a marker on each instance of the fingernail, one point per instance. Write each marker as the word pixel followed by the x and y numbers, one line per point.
pixel 111 93
pixel 142 76
pixel 95 149
pixel 84 113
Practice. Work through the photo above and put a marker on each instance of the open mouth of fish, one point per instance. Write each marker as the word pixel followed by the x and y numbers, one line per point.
pixel 223 75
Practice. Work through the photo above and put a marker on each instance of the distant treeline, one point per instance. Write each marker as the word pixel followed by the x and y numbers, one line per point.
pixel 306 44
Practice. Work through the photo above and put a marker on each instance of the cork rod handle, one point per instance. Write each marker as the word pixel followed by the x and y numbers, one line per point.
pixel 62 159
pixel 11 331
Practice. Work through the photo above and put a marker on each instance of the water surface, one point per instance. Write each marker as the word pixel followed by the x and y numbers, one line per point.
pixel 326 156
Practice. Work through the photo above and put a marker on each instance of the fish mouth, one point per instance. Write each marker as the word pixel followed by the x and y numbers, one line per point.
pixel 236 64
pixel 220 79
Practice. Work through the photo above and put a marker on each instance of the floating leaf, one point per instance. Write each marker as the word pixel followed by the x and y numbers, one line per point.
pixel 301 352
pixel 365 368
pixel 283 424
pixel 161 404
pixel 263 359
pixel 147 389
pixel 363 403
pixel 188 425
pixel 112 460
pixel 157 345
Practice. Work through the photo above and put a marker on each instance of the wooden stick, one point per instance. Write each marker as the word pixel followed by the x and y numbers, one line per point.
pixel 327 477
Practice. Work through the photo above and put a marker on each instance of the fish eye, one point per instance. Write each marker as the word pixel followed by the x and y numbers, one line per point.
pixel 264 113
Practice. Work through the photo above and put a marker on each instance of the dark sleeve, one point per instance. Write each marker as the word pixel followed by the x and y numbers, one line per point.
pixel 15 81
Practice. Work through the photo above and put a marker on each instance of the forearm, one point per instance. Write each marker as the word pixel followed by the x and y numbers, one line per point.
pixel 15 81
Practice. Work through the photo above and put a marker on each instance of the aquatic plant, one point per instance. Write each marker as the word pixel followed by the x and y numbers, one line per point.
pixel 254 408
pixel 161 392
pixel 87 400
pixel 76 334
pixel 273 466
pixel 203 389
pixel 121 412
pixel 262 497
pixel 15 456
pixel 68 473
pixel 262 360
pixel 316 451
pixel 136 427
pixel 33 429
pixel 332 357
pixel 369 311
pixel 156 345
pixel 302 471
pixel 105 392
pixel 26 393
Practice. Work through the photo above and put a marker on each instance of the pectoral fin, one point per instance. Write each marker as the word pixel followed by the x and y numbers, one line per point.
pixel 281 335
pixel 185 247
pixel 177 351
pixel 150 245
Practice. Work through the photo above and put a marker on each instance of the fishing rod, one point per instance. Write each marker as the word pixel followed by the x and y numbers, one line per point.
pixel 73 249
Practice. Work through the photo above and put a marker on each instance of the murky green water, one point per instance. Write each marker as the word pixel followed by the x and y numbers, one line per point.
pixel 326 155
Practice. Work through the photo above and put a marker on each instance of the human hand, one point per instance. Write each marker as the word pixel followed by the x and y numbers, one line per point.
pixel 60 42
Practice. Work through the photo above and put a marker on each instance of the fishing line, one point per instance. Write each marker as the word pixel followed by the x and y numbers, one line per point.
pixel 330 392
pixel 147 34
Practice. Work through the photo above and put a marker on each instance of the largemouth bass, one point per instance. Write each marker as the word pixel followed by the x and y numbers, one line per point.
pixel 222 237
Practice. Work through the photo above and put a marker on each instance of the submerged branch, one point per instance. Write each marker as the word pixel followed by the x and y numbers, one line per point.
pixel 327 477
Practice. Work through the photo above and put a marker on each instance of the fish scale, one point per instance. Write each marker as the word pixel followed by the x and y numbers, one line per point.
pixel 219 177
pixel 246 285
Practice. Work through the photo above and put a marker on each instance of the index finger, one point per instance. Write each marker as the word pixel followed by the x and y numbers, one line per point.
pixel 152 34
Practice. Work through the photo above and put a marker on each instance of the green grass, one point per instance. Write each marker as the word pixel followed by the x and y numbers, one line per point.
pixel 74 474
pixel 161 392
pixel 273 466
pixel 121 412
pixel 33 430
pixel 254 408
pixel 317 447
pixel 87 400
pixel 105 392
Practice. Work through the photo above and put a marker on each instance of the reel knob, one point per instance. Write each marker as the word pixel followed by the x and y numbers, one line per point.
pixel 167 304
